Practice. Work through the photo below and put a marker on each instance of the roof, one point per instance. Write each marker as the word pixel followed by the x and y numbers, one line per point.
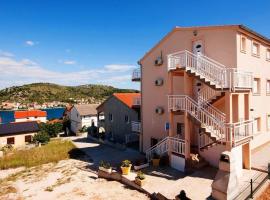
pixel 86 109
pixel 18 128
pixel 29 113
pixel 234 26
pixel 127 98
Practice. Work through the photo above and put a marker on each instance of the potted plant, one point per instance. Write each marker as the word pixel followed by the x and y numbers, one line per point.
pixel 140 178
pixel 182 196
pixel 105 166
pixel 125 167
pixel 155 160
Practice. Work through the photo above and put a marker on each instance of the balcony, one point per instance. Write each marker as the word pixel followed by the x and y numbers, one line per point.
pixel 136 102
pixel 136 126
pixel 136 75
pixel 210 71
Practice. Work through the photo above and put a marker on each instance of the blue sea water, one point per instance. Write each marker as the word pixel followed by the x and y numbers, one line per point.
pixel 52 113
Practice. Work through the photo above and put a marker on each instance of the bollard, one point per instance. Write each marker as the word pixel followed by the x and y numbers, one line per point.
pixel 251 189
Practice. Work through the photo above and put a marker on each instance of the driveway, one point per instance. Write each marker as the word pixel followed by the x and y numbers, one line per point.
pixel 261 158
pixel 98 152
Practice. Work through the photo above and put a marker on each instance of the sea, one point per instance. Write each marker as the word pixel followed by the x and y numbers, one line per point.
pixel 52 113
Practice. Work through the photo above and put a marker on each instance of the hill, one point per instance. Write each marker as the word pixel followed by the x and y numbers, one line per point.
pixel 48 92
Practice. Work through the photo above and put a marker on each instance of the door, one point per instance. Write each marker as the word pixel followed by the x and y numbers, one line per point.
pixel 198 47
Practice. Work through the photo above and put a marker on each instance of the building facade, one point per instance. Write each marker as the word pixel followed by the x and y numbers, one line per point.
pixel 83 115
pixel 206 90
pixel 121 121
pixel 17 134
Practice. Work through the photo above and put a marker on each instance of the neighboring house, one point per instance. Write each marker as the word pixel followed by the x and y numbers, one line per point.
pixel 206 90
pixel 17 134
pixel 121 117
pixel 83 115
pixel 30 115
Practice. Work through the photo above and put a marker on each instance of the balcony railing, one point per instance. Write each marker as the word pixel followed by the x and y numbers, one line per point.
pixel 136 101
pixel 136 75
pixel 136 126
pixel 211 70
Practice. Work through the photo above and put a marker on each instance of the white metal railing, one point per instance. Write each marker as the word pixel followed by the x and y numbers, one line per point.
pixel 240 130
pixel 136 126
pixel 240 78
pixel 210 69
pixel 207 93
pixel 136 101
pixel 136 74
pixel 213 122
pixel 206 67
pixel 205 140
pixel 167 144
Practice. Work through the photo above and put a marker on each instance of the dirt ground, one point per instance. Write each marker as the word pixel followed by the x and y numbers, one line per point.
pixel 66 180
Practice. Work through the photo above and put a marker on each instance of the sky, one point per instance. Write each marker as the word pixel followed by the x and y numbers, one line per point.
pixel 75 42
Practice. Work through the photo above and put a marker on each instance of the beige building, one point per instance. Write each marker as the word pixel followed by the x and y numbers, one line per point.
pixel 17 134
pixel 206 90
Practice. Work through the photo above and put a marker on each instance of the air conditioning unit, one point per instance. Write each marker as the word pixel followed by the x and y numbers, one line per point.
pixel 159 61
pixel 159 82
pixel 159 110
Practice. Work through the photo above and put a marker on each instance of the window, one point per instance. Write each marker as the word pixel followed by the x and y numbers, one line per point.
pixel 11 140
pixel 256 86
pixel 243 44
pixel 110 117
pixel 257 125
pixel 255 49
pixel 28 138
pixel 268 122
pixel 267 87
pixel 268 54
pixel 127 119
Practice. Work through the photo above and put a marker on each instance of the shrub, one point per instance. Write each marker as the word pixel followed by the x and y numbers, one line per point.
pixel 41 137
pixel 105 164
pixel 7 148
pixel 83 129
pixel 126 163
pixel 51 129
pixel 140 175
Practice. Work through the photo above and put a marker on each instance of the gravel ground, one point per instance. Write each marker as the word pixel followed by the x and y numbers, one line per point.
pixel 66 180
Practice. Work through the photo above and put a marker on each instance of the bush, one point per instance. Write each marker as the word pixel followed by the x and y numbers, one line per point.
pixel 51 129
pixel 41 137
pixel 140 175
pixel 105 164
pixel 125 163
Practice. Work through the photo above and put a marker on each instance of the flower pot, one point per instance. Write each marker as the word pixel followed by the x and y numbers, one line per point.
pixel 139 182
pixel 105 169
pixel 155 162
pixel 126 170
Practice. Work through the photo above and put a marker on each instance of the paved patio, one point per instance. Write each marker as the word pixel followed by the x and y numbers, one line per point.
pixel 261 158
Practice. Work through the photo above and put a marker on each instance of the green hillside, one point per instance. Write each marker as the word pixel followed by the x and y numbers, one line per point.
pixel 47 92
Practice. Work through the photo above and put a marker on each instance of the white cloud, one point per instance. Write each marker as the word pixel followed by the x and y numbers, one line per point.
pixel 6 54
pixel 17 72
pixel 69 62
pixel 30 43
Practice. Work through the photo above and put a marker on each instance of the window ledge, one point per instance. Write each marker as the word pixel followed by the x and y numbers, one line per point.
pixel 256 94
pixel 268 59
pixel 268 94
pixel 243 51
pixel 256 55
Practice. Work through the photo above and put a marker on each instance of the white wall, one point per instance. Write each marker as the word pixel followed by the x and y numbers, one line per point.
pixel 41 119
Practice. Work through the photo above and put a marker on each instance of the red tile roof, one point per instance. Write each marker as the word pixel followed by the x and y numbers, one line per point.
pixel 127 98
pixel 29 113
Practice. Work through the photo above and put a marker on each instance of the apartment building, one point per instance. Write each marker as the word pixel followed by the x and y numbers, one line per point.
pixel 206 90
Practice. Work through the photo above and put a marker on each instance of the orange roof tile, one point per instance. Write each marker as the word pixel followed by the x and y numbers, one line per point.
pixel 29 113
pixel 127 98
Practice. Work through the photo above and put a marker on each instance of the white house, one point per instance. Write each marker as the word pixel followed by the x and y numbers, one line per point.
pixel 30 115
pixel 83 115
